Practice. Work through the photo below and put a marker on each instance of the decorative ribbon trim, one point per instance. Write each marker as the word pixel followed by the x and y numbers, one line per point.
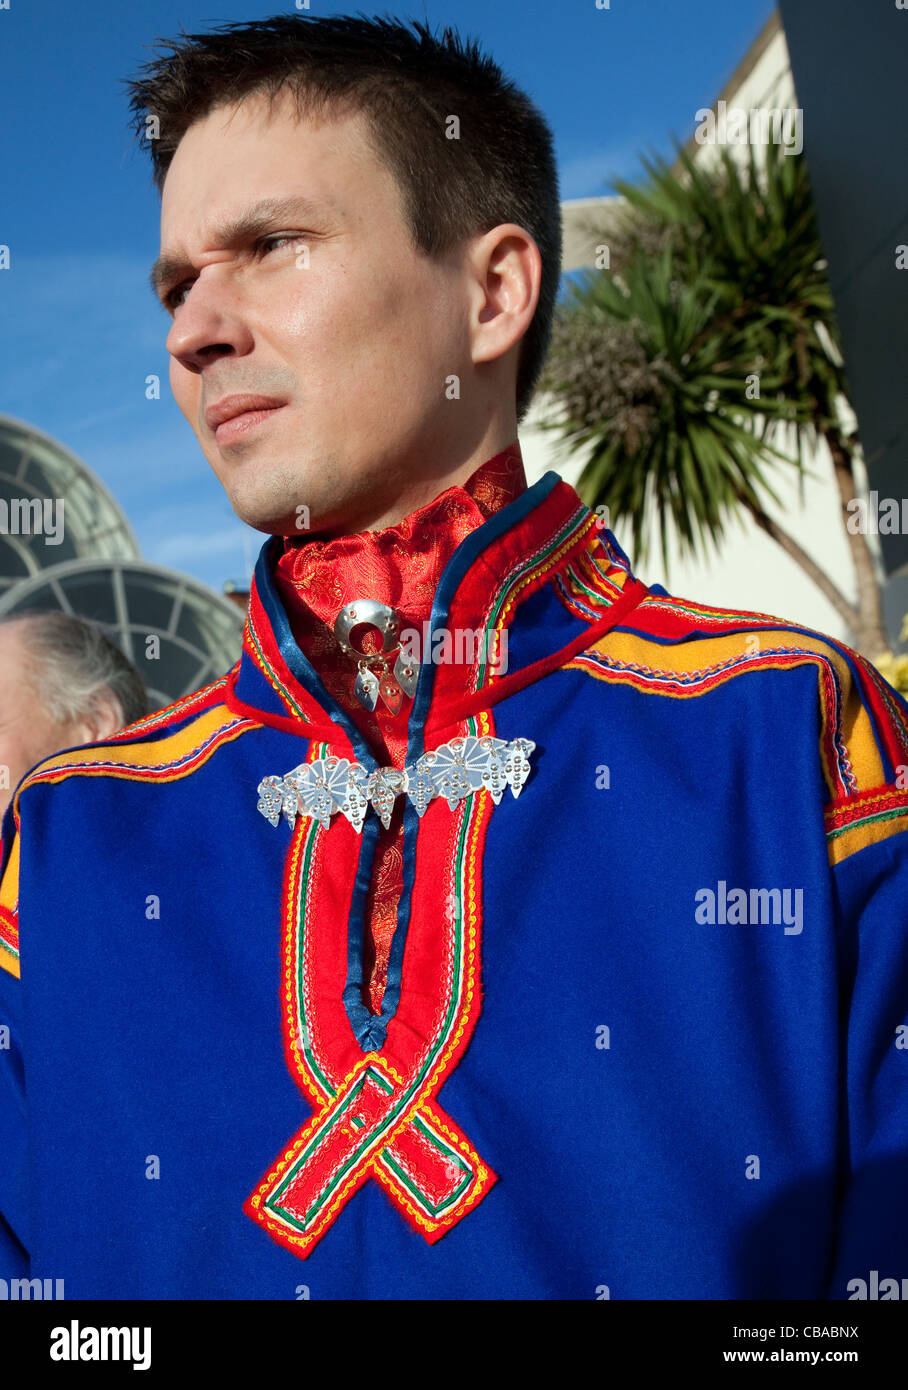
pixel 425 1164
pixel 453 711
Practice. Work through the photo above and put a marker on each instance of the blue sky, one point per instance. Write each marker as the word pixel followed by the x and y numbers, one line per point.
pixel 81 331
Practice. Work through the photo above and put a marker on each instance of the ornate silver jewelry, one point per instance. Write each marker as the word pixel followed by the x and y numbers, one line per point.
pixel 454 770
pixel 390 685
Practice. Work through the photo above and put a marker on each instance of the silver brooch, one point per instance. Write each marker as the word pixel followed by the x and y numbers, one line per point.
pixel 454 770
pixel 391 684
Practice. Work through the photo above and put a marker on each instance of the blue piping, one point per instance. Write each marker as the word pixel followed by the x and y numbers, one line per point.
pixel 370 1030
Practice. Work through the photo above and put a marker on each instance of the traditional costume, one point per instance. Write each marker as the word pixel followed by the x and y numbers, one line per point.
pixel 568 966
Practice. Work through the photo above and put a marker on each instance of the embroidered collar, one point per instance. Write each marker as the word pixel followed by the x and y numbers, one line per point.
pixel 492 572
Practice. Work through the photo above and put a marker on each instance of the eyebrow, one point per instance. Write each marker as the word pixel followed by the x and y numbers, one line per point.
pixel 258 218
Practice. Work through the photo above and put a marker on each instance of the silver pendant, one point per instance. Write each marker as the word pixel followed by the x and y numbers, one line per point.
pixel 407 673
pixel 366 687
pixel 454 771
pixel 390 691
pixel 381 788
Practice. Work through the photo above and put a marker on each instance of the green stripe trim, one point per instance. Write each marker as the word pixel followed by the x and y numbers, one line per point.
pixel 272 673
pixel 534 562
pixel 867 820
pixel 457 957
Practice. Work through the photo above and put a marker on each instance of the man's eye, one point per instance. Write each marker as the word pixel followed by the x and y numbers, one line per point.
pixel 173 300
pixel 270 243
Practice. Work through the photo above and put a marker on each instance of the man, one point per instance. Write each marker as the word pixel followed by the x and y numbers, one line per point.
pixel 62 683
pixel 576 974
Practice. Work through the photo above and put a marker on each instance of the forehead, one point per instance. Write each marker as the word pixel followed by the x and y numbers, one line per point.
pixel 252 150
pixel 13 652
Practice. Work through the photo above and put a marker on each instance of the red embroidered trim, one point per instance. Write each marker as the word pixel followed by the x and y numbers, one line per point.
pixel 9 930
pixel 870 803
pixel 375 1114
pixel 445 714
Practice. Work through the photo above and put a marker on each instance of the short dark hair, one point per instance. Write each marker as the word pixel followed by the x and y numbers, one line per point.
pixel 406 84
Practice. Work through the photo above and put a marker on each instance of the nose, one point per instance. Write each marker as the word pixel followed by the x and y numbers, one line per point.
pixel 209 324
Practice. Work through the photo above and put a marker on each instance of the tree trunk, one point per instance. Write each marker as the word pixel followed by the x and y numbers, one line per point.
pixel 847 611
pixel 870 636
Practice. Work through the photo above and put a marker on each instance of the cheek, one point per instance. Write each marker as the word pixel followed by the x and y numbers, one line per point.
pixel 321 309
pixel 349 320
pixel 42 733
pixel 19 750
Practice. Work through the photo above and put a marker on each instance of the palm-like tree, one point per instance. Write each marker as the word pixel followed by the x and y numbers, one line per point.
pixel 713 340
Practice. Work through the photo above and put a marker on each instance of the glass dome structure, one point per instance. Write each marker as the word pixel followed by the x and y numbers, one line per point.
pixel 198 632
pixel 35 468
pixel 177 632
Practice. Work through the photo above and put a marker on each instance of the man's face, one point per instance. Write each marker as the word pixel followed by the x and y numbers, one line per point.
pixel 324 309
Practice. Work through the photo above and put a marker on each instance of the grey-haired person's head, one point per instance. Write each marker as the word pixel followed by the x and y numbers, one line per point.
pixel 63 683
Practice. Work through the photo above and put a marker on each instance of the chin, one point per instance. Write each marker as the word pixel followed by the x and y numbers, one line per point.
pixel 269 526
pixel 261 518
pixel 269 496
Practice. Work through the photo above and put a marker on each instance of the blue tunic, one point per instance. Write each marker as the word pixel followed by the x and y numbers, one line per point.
pixel 646 1027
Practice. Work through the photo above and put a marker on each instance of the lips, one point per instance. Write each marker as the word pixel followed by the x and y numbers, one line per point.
pixel 231 406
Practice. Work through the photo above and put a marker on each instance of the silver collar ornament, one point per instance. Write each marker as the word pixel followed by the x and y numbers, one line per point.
pixel 454 770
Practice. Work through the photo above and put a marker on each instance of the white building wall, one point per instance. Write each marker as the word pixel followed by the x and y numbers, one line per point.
pixel 750 571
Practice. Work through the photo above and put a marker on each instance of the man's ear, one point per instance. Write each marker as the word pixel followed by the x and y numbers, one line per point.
pixel 105 719
pixel 507 271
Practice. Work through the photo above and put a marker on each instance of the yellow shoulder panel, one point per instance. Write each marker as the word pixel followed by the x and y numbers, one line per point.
pixel 9 913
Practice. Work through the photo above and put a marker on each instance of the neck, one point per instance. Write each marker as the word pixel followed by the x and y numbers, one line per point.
pixel 409 486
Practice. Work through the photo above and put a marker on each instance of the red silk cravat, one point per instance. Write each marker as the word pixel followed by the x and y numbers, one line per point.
pixel 399 565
